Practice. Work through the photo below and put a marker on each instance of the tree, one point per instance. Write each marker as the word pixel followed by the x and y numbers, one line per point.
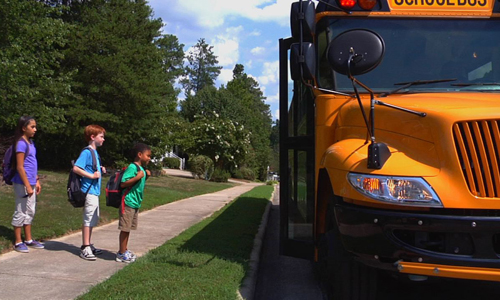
pixel 31 81
pixel 202 69
pixel 172 56
pixel 124 79
pixel 71 63
pixel 209 100
pixel 242 102
pixel 255 115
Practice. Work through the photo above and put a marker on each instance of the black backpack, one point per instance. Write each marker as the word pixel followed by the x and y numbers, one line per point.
pixel 114 192
pixel 75 195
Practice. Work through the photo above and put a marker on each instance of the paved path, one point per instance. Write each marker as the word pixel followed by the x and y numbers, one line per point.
pixel 57 272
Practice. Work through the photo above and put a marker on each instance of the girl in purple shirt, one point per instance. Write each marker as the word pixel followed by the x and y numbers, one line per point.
pixel 26 184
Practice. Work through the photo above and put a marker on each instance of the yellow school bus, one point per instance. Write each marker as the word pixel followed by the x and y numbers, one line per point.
pixel 390 140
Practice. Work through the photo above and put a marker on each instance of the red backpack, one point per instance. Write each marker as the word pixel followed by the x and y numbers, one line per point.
pixel 114 192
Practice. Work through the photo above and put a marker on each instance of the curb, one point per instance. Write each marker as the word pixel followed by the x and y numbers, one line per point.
pixel 247 289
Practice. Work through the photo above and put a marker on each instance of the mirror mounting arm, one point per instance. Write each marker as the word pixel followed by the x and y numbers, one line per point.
pixel 372 48
pixel 369 127
pixel 378 153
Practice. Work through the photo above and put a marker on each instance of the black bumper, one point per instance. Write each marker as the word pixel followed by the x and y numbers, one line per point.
pixel 380 238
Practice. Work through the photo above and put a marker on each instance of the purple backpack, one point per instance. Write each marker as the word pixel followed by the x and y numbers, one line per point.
pixel 8 165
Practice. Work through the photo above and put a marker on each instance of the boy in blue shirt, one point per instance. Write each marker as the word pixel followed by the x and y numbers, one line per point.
pixel 91 181
pixel 133 182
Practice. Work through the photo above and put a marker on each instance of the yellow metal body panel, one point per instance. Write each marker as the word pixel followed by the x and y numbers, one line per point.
pixel 420 146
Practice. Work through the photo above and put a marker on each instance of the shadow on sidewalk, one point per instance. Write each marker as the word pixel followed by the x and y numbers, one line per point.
pixel 59 246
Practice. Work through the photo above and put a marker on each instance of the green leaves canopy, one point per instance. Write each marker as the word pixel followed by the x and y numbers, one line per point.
pixel 74 63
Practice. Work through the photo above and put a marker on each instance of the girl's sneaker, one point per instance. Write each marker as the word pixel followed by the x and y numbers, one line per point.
pixel 125 257
pixel 21 247
pixel 35 244
pixel 87 254
pixel 95 251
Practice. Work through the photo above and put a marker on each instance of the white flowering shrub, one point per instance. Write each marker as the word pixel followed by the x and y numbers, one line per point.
pixel 224 141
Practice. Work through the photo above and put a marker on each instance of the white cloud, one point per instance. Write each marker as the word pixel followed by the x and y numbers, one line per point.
pixel 249 64
pixel 254 33
pixel 270 73
pixel 226 46
pixel 244 32
pixel 276 114
pixel 225 75
pixel 258 50
pixel 273 99
pixel 219 10
pixel 227 51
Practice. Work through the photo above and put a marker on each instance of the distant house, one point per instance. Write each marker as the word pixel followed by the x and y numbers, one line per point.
pixel 182 161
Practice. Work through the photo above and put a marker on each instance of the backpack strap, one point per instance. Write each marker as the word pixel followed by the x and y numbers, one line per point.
pixel 129 188
pixel 94 166
pixel 94 159
pixel 14 154
pixel 27 147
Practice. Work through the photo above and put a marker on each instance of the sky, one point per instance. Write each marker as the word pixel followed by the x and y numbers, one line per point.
pixel 241 32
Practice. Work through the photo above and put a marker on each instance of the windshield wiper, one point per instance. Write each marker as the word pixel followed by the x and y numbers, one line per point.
pixel 479 83
pixel 405 85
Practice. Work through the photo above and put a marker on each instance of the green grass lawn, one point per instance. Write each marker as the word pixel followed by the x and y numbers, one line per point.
pixel 55 216
pixel 207 261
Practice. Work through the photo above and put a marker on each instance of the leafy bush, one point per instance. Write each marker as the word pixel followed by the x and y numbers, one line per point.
pixel 237 174
pixel 155 168
pixel 122 164
pixel 220 175
pixel 262 174
pixel 201 167
pixel 171 163
pixel 271 182
pixel 247 173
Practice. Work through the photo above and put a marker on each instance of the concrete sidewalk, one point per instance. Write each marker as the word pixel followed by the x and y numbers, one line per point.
pixel 57 272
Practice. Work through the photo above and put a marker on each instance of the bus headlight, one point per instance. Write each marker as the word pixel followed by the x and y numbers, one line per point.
pixel 410 191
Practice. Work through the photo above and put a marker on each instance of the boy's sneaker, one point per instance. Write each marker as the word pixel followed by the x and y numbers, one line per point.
pixel 95 251
pixel 132 254
pixel 21 247
pixel 125 257
pixel 86 253
pixel 35 244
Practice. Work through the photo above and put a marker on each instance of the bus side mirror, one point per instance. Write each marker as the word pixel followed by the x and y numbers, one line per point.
pixel 308 25
pixel 306 61
pixel 367 46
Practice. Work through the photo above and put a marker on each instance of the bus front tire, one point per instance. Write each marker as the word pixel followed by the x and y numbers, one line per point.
pixel 343 277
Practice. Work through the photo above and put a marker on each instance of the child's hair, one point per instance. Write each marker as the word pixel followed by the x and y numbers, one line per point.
pixel 91 130
pixel 138 148
pixel 21 123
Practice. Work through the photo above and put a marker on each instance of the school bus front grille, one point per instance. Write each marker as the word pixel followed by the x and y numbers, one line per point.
pixel 478 148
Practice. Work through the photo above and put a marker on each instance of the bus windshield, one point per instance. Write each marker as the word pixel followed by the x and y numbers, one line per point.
pixel 421 49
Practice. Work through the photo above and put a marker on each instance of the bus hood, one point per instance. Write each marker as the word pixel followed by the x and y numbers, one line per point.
pixel 442 111
pixel 453 147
